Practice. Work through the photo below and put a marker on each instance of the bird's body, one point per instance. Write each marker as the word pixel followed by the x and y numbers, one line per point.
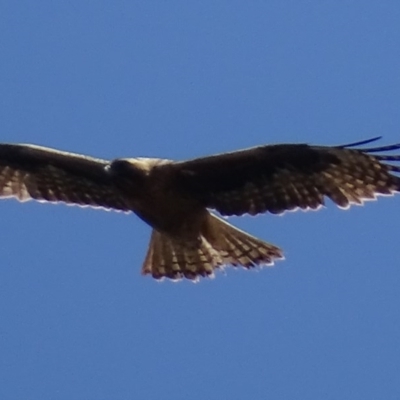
pixel 144 185
pixel 174 198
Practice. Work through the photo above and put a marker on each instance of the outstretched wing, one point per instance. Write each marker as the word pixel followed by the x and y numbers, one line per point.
pixel 40 173
pixel 285 177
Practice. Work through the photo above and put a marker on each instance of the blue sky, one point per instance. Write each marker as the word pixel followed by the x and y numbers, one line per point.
pixel 181 79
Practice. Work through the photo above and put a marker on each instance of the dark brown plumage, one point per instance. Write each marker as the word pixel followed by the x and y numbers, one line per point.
pixel 173 197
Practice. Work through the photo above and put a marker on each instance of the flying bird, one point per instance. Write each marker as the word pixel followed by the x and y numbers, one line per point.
pixel 174 198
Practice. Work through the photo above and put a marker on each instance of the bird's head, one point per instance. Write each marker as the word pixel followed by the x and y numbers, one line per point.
pixel 131 165
pixel 130 170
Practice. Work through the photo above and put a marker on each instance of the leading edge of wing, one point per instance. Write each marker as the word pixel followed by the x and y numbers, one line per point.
pixel 34 156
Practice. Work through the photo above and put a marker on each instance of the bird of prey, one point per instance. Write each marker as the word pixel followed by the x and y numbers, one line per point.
pixel 174 198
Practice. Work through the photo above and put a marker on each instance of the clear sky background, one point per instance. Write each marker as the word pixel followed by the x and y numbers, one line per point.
pixel 181 79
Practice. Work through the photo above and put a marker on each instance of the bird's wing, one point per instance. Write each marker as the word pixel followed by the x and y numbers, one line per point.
pixel 285 177
pixel 40 173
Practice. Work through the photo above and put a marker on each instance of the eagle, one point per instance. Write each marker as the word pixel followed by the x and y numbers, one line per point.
pixel 175 197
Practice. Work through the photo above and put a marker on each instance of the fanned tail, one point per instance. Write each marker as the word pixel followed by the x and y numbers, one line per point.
pixel 218 244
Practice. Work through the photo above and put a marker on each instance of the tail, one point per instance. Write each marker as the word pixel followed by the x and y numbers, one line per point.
pixel 218 244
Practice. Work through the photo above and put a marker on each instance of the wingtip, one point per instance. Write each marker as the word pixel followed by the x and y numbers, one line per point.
pixel 361 143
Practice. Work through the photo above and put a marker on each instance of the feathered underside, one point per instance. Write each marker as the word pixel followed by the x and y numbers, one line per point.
pixel 270 178
pixel 277 178
pixel 32 172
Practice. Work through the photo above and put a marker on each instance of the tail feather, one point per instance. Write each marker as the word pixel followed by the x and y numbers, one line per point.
pixel 218 244
pixel 242 248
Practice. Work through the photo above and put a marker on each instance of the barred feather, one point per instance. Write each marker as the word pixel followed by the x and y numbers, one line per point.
pixel 220 244
pixel 285 177
pixel 33 172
